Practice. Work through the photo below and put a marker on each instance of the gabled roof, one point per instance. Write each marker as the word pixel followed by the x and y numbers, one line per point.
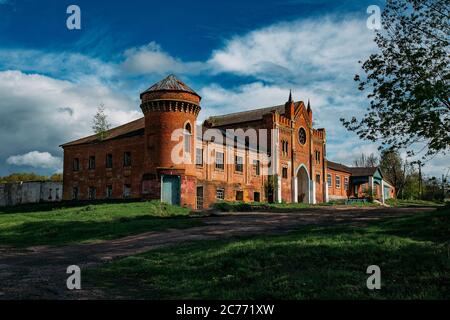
pixel 245 116
pixel 338 167
pixel 363 171
pixel 355 171
pixel 170 83
pixel 127 129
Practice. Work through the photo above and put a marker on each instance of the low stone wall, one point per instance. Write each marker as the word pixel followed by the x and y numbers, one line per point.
pixel 30 192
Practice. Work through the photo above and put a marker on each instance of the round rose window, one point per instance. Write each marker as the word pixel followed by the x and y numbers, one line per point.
pixel 302 136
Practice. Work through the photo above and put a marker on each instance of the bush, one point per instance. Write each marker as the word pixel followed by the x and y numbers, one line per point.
pixel 233 206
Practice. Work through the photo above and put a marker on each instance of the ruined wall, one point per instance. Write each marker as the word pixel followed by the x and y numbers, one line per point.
pixel 30 192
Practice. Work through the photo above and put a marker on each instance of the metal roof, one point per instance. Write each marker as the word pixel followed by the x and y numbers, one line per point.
pixel 170 83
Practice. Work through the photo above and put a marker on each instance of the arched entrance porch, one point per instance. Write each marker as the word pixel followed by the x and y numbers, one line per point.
pixel 302 190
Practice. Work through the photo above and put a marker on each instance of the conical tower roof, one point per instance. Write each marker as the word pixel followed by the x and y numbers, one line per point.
pixel 170 83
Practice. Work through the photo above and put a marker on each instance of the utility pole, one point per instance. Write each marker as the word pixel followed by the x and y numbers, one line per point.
pixel 420 179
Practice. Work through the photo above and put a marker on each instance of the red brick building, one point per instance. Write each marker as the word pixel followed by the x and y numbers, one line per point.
pixel 268 154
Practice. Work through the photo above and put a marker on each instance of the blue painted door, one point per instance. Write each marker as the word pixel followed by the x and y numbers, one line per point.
pixel 171 189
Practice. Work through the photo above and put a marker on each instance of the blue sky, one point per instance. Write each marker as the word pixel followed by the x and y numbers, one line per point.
pixel 237 55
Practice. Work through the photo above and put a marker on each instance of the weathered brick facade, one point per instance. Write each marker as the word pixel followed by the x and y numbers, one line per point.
pixel 139 159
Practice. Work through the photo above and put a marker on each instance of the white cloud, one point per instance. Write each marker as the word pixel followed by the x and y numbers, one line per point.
pixel 36 159
pixel 72 65
pixel 151 58
pixel 317 59
pixel 298 51
pixel 39 112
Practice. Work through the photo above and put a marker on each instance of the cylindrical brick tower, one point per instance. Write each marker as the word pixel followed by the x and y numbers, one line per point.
pixel 171 108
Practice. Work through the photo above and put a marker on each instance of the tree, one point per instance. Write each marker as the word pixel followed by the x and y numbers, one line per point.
pixel 22 176
pixel 100 122
pixel 408 80
pixel 393 169
pixel 366 161
pixel 56 177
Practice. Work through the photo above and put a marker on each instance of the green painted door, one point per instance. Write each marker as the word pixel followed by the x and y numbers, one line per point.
pixel 171 189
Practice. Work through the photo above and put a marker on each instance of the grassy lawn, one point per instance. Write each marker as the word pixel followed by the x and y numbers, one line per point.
pixel 311 263
pixel 412 203
pixel 59 225
pixel 226 206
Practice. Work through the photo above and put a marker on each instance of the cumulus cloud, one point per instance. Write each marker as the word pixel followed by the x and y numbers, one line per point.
pixel 151 58
pixel 304 50
pixel 39 112
pixel 36 159
pixel 52 97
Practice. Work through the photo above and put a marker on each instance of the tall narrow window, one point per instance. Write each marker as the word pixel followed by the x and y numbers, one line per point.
pixel 220 160
pixel 284 173
pixel 338 182
pixel 127 159
pixel 91 162
pixel 187 137
pixel 109 161
pixel 109 191
pixel 92 193
pixel 257 167
pixel 317 178
pixel 75 193
pixel 200 197
pixel 199 157
pixel 126 190
pixel 76 164
pixel 346 183
pixel 329 182
pixel 317 154
pixel 239 163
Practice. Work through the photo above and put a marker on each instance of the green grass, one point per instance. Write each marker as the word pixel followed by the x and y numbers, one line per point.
pixel 68 225
pixel 412 203
pixel 237 206
pixel 312 263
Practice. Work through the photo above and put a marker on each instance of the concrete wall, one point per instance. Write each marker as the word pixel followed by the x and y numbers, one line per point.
pixel 30 192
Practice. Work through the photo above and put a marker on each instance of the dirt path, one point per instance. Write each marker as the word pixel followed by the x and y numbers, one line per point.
pixel 40 272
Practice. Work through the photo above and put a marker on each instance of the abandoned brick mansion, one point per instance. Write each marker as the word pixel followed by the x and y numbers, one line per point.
pixel 166 155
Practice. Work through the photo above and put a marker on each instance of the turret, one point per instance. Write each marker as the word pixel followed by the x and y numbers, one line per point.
pixel 309 111
pixel 289 107
pixel 170 106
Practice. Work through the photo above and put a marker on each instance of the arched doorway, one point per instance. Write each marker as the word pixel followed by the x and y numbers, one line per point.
pixel 302 178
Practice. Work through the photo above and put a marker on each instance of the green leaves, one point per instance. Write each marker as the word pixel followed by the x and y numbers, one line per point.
pixel 408 80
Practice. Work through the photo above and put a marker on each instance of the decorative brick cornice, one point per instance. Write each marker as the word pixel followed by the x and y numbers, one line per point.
pixel 170 106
